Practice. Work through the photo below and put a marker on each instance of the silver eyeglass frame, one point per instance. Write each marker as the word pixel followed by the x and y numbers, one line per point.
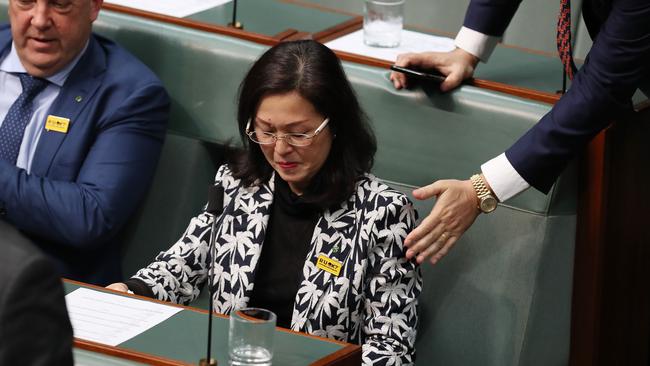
pixel 277 137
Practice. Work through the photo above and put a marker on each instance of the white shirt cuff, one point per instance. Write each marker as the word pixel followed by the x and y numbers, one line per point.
pixel 478 44
pixel 503 178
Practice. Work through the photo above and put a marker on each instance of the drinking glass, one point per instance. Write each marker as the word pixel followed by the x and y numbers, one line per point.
pixel 250 338
pixel 382 22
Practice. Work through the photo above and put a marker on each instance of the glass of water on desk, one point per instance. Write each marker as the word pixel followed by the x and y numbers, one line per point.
pixel 250 338
pixel 382 22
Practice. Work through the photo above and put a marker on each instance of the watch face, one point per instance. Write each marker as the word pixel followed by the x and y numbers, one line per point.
pixel 488 204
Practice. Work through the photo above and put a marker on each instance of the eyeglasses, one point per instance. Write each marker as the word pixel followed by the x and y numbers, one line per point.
pixel 294 139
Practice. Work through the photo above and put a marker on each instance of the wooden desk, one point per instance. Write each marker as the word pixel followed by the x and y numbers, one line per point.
pixel 181 340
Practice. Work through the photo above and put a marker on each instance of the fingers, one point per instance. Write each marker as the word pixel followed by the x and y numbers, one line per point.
pixel 453 80
pixel 439 239
pixel 425 60
pixel 421 234
pixel 454 212
pixel 119 286
pixel 432 190
pixel 417 244
pixel 451 240
pixel 398 79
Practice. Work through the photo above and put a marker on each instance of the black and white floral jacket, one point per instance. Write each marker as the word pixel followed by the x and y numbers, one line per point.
pixel 372 301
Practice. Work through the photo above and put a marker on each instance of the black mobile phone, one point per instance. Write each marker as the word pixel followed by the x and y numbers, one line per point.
pixel 422 75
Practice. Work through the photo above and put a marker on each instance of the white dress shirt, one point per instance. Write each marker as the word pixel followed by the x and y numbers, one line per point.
pixel 499 173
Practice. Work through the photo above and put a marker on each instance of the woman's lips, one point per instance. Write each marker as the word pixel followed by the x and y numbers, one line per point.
pixel 287 165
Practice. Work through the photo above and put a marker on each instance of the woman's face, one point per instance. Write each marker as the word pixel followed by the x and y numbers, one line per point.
pixel 291 113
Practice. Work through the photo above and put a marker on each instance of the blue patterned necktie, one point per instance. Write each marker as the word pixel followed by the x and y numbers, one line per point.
pixel 18 116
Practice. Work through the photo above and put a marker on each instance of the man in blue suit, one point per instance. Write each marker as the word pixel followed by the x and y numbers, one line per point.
pixel 87 154
pixel 617 64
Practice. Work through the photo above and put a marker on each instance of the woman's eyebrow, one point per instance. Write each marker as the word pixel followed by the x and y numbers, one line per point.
pixel 292 124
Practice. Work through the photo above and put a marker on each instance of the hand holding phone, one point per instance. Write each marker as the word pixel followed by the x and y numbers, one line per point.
pixel 421 75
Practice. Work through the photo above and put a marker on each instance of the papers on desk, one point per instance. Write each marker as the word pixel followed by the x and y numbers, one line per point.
pixel 112 319
pixel 175 8
pixel 411 42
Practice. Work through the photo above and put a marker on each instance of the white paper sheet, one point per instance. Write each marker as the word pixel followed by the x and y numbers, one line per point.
pixel 112 319
pixel 411 42
pixel 175 8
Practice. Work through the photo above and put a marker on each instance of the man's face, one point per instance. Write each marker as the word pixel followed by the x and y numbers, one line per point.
pixel 50 33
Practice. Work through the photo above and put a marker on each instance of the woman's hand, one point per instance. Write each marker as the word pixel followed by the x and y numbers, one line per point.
pixel 118 286
pixel 456 65
pixel 454 212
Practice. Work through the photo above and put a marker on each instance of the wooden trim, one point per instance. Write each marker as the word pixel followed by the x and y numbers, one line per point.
pixel 338 30
pixel 588 261
pixel 127 354
pixel 298 36
pixel 341 343
pixel 540 96
pixel 195 24
pixel 641 107
pixel 285 34
pixel 348 356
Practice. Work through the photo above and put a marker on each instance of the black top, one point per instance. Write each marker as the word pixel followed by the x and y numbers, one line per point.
pixel 287 242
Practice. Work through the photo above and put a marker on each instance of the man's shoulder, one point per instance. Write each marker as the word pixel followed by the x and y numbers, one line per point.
pixel 122 64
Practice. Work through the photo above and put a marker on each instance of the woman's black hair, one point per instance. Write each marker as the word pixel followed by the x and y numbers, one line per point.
pixel 315 73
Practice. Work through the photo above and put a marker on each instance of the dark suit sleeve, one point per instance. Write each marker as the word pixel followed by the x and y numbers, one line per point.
pixel 618 63
pixel 34 325
pixel 490 17
pixel 113 178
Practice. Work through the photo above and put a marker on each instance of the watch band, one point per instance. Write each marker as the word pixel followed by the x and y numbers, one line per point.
pixel 479 186
pixel 487 202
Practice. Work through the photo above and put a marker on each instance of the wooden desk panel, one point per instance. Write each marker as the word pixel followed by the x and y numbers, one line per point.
pixel 181 340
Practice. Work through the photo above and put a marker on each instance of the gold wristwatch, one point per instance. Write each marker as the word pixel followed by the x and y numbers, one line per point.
pixel 486 200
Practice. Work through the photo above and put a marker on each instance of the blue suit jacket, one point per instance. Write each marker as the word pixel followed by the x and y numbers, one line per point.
pixel 85 183
pixel 617 64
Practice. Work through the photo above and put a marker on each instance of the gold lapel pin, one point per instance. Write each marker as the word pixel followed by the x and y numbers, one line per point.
pixel 78 98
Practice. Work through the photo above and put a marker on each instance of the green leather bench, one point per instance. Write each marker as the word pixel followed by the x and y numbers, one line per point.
pixel 501 297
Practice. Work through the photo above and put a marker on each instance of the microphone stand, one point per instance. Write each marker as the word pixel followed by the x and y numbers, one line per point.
pixel 214 208
pixel 235 23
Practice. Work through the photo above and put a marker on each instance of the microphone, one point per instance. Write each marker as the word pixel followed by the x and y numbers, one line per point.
pixel 235 23
pixel 214 209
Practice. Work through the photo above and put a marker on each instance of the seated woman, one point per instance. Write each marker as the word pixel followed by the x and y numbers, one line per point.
pixel 299 194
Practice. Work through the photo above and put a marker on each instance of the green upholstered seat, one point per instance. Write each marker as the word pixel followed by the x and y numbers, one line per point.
pixel 187 167
pixel 501 297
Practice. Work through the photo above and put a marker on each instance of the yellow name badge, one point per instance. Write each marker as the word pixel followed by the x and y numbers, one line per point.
pixel 58 124
pixel 329 265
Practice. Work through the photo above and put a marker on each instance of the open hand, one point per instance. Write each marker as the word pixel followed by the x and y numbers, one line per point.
pixel 454 212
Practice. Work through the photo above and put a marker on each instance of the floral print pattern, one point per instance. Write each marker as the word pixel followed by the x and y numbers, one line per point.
pixel 372 301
